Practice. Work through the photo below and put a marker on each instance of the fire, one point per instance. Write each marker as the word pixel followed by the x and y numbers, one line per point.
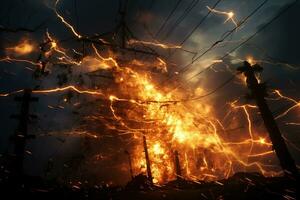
pixel 175 128
pixel 189 128
pixel 250 60
pixel 157 149
pixel 139 107
pixel 24 48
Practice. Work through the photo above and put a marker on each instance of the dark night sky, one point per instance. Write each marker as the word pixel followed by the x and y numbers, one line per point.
pixel 280 41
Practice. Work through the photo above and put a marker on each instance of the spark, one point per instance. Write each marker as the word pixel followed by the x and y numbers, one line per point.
pixel 296 104
pixel 54 47
pixel 293 123
pixel 9 59
pixel 162 64
pixel 253 61
pixel 288 110
pixel 11 93
pixel 217 61
pixel 59 89
pixel 70 87
pixel 161 45
pixel 261 141
pixel 291 143
pixel 109 59
pixel 64 21
pixel 277 92
pixel 230 15
pixel 168 125
pixel 244 107
pixel 113 111
pixel 261 154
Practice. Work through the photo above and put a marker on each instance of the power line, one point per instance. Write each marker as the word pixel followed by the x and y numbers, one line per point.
pixel 199 24
pixel 168 17
pixel 243 43
pixel 226 35
pixel 216 89
pixel 196 27
pixel 182 17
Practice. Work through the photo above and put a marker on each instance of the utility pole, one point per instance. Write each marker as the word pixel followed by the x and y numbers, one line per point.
pixel 130 163
pixel 21 134
pixel 123 26
pixel 258 92
pixel 177 165
pixel 149 174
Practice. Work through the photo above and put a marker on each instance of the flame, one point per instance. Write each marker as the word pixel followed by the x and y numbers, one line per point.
pixel 204 153
pixel 139 107
pixel 24 48
pixel 250 60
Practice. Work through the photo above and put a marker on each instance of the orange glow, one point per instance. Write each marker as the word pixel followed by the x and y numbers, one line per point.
pixel 71 87
pixel 230 15
pixel 9 59
pixel 195 133
pixel 24 48
pixel 106 61
pixel 250 60
pixel 137 106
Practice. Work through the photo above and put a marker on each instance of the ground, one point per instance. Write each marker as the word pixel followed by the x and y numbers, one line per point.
pixel 239 186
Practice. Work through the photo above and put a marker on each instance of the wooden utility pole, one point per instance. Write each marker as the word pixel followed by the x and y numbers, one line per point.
pixel 130 164
pixel 149 173
pixel 258 92
pixel 122 26
pixel 21 134
pixel 177 165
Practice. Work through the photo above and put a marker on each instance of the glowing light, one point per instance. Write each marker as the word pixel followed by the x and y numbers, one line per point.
pixel 70 87
pixel 105 60
pixel 9 59
pixel 25 47
pixel 296 104
pixel 250 60
pixel 261 154
pixel 64 21
pixel 162 65
pixel 230 15
pixel 65 59
pixel 161 45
